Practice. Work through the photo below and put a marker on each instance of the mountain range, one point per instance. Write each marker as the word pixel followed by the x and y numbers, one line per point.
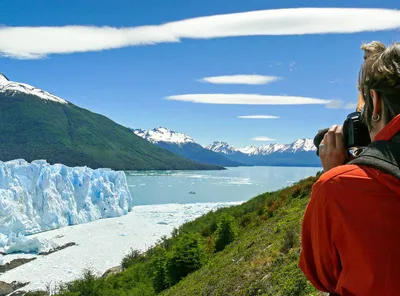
pixel 185 146
pixel 299 153
pixel 35 124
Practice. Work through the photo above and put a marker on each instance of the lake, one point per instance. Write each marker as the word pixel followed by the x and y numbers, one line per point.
pixel 233 184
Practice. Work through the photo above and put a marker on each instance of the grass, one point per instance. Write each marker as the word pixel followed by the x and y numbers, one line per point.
pixel 261 260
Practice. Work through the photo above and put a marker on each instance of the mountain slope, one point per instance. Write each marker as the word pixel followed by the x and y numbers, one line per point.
pixel 37 125
pixel 298 153
pixel 263 260
pixel 184 146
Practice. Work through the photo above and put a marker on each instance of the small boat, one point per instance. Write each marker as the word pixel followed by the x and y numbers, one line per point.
pixel 192 192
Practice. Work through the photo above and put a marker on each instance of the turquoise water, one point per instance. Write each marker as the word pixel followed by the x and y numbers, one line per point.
pixel 234 184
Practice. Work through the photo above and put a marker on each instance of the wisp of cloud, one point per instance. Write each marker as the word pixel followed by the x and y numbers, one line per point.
pixel 38 42
pixel 240 79
pixel 263 139
pixel 246 99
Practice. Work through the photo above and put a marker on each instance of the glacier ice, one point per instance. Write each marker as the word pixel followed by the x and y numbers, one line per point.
pixel 26 244
pixel 37 196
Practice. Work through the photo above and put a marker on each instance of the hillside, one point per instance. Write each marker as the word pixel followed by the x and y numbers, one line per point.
pixel 263 259
pixel 184 146
pixel 37 125
pixel 260 257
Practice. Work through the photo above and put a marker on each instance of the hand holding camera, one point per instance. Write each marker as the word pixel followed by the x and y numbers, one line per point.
pixel 334 144
pixel 332 150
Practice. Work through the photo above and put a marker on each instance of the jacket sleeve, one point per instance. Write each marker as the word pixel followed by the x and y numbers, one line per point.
pixel 319 259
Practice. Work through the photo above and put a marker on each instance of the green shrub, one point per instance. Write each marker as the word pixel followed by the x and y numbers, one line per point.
pixel 289 240
pixel 246 220
pixel 226 232
pixel 88 285
pixel 36 293
pixel 187 256
pixel 158 270
pixel 133 257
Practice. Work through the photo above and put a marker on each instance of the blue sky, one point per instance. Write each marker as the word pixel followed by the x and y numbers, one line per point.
pixel 131 84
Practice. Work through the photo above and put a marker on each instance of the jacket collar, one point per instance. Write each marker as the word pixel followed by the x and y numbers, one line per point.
pixel 391 129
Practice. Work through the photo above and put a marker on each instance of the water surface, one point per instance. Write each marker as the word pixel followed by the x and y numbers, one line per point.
pixel 233 184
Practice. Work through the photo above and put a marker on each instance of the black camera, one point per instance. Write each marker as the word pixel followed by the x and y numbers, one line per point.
pixel 355 133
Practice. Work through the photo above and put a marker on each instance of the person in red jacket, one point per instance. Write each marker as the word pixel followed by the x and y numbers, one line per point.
pixel 351 227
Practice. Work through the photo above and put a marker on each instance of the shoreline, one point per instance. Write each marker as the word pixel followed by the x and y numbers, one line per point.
pixel 102 244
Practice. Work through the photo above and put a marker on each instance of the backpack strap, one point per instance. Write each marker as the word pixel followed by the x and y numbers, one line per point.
pixel 381 155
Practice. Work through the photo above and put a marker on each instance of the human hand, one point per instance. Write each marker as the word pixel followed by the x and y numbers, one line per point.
pixel 332 151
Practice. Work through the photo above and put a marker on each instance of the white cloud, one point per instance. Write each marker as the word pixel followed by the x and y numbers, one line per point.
pixel 258 117
pixel 264 139
pixel 350 106
pixel 240 79
pixel 37 42
pixel 334 104
pixel 246 99
pixel 339 104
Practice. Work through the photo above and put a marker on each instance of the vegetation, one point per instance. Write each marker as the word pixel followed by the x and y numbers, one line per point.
pixel 32 128
pixel 226 232
pixel 249 249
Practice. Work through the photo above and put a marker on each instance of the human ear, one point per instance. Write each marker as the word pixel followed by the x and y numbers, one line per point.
pixel 377 104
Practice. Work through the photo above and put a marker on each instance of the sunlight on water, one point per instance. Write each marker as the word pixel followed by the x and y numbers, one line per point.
pixel 234 184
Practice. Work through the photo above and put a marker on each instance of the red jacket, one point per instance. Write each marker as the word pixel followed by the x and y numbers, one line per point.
pixel 351 230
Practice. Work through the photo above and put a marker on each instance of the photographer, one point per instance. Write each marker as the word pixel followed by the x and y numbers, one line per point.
pixel 351 227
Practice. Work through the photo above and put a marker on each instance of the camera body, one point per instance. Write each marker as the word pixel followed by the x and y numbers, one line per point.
pixel 355 132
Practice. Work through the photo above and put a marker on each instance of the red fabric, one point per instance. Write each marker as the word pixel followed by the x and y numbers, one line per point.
pixel 351 230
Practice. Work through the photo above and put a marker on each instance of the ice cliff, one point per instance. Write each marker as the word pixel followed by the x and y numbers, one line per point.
pixel 37 196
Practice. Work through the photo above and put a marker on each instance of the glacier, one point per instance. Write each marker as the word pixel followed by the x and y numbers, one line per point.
pixel 37 196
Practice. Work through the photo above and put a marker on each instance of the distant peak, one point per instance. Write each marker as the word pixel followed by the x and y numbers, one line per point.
pixel 220 142
pixel 3 78
pixel 221 147
pixel 7 86
pixel 163 134
pixel 162 129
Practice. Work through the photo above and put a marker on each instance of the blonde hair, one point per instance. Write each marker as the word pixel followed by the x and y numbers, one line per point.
pixel 372 48
pixel 369 49
pixel 381 72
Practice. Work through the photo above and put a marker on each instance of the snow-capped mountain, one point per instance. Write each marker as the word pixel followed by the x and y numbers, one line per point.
pixel 162 134
pixel 298 153
pixel 11 87
pixel 184 146
pixel 301 145
pixel 222 147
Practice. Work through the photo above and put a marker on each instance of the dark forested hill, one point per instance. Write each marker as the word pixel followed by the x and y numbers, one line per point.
pixel 35 128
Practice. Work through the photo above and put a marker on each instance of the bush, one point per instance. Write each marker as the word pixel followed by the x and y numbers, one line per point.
pixel 133 257
pixel 226 232
pixel 187 256
pixel 289 240
pixel 246 220
pixel 158 270
pixel 88 285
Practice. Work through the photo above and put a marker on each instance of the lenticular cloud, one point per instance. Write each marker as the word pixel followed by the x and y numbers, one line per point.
pixel 246 99
pixel 37 42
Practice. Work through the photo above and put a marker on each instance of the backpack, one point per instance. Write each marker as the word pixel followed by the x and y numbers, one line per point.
pixel 381 155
